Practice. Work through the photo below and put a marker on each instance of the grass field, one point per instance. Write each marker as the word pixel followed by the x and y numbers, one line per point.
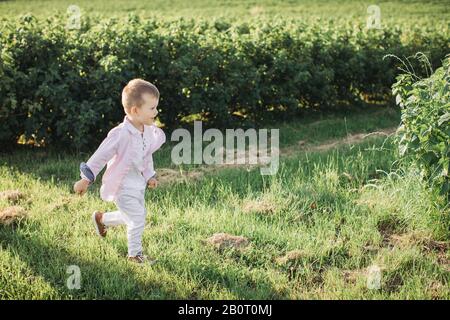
pixel 341 202
pixel 391 11
pixel 313 229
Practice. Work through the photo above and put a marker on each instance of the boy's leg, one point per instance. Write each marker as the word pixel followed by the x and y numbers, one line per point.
pixel 114 218
pixel 135 229
pixel 132 207
pixel 103 220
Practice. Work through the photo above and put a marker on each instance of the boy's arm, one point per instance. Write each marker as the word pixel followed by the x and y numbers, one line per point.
pixel 101 156
pixel 160 139
pixel 149 171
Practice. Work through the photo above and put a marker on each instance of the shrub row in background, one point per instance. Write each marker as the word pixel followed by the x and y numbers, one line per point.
pixel 63 86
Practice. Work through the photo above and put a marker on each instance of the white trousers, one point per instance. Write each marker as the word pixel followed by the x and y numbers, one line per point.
pixel 132 213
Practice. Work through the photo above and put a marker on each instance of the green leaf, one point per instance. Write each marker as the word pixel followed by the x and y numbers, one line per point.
pixel 444 118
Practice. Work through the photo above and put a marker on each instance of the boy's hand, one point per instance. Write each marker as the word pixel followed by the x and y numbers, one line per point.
pixel 152 183
pixel 81 186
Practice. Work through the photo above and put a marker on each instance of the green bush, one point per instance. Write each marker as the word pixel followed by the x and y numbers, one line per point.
pixel 425 130
pixel 63 86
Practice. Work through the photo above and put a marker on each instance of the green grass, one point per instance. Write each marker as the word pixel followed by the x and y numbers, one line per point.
pixel 391 11
pixel 343 209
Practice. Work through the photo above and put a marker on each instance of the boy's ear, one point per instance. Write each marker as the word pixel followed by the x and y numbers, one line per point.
pixel 133 110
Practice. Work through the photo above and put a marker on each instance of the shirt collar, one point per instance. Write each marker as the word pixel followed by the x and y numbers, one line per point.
pixel 130 126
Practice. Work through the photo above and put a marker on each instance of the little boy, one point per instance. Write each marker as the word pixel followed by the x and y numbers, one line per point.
pixel 127 151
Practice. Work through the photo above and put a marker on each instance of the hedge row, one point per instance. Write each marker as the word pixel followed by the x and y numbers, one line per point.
pixel 63 86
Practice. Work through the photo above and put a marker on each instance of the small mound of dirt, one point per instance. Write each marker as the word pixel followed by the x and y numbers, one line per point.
pixel 291 257
pixel 389 225
pixel 351 276
pixel 259 206
pixel 168 176
pixel 444 261
pixel 12 195
pixel 224 240
pixel 11 215
pixel 437 290
pixel 62 203
pixel 423 240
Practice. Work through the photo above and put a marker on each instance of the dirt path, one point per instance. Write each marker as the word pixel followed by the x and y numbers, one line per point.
pixel 333 143
pixel 167 175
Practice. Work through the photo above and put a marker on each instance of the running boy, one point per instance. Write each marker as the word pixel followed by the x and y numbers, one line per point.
pixel 127 151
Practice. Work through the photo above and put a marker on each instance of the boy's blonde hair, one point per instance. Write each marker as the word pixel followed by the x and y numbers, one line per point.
pixel 133 91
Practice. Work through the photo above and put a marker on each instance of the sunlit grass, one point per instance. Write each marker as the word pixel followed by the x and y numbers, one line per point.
pixel 340 210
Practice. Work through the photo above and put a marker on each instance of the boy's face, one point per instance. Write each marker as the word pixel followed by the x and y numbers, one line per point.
pixel 147 113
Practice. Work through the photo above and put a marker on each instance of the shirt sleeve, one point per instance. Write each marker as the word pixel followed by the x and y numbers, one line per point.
pixel 104 153
pixel 86 173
